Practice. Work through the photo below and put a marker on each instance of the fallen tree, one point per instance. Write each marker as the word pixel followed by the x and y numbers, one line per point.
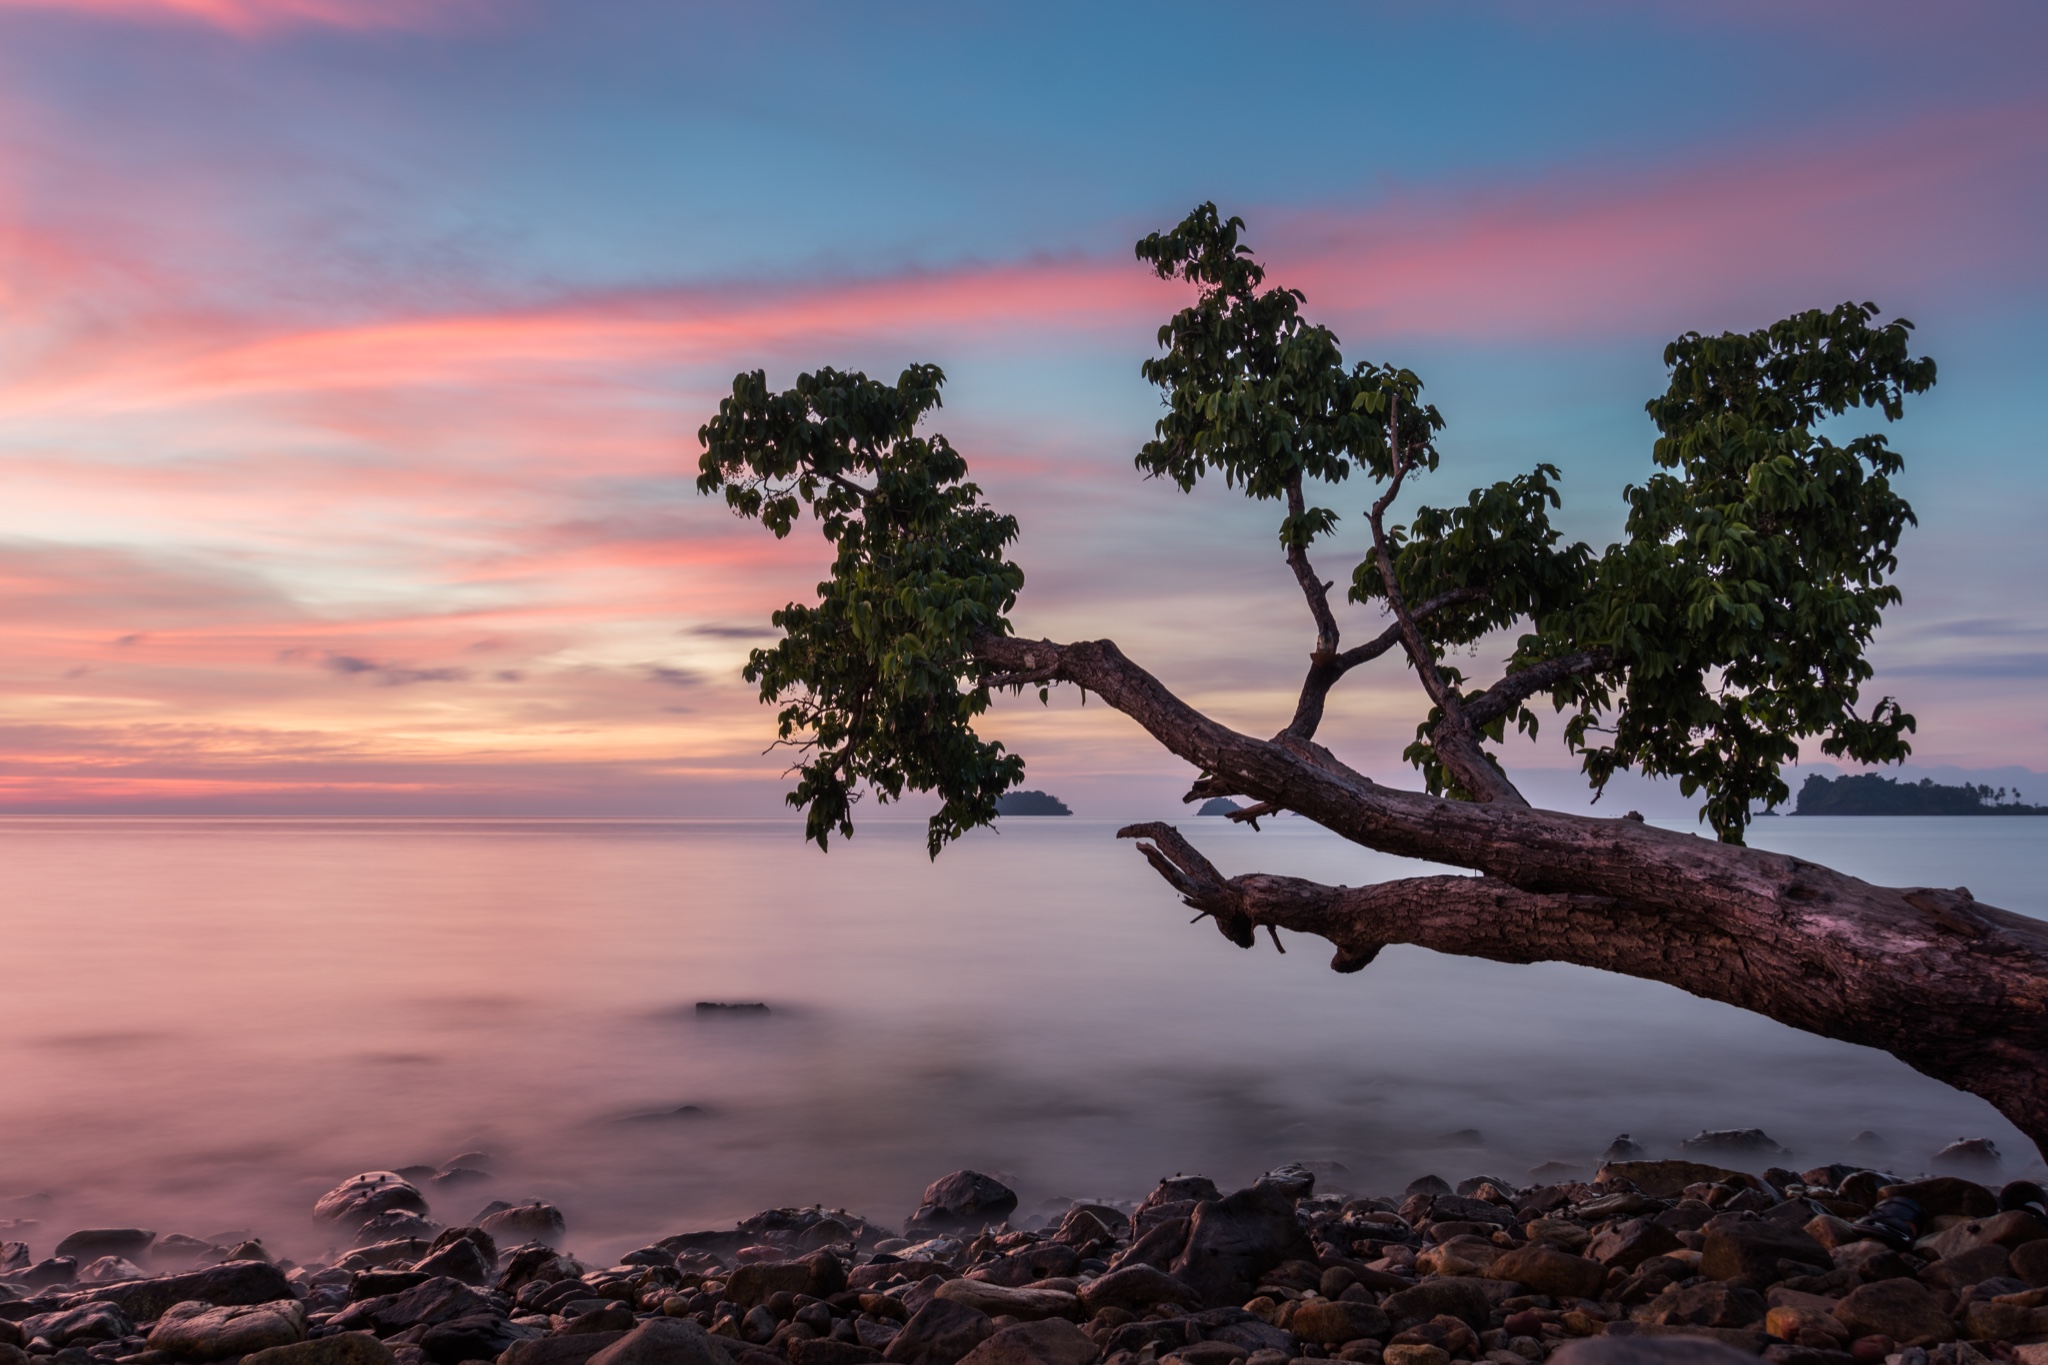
pixel 1725 629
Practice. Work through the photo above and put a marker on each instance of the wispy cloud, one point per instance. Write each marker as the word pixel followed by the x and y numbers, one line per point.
pixel 257 16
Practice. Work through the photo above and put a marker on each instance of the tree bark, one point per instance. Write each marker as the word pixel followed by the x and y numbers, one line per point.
pixel 1956 989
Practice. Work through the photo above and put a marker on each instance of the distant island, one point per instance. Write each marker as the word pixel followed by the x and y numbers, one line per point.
pixel 1030 803
pixel 1869 794
pixel 1218 805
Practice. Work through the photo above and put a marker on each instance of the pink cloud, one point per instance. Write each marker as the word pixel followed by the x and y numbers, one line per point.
pixel 255 16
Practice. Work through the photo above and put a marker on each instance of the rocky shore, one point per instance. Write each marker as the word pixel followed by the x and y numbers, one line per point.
pixel 1675 1261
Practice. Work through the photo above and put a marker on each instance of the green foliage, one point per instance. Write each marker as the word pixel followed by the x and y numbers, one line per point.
pixel 876 679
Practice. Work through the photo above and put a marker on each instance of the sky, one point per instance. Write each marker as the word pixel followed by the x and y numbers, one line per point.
pixel 352 352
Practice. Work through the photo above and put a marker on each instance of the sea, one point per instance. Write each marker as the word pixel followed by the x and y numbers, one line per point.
pixel 206 1023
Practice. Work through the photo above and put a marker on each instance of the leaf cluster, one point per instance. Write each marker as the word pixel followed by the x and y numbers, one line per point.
pixel 875 679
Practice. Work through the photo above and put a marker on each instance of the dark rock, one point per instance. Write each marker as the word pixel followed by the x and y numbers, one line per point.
pixel 1969 1154
pixel 666 1341
pixel 963 1200
pixel 1545 1270
pixel 398 1223
pixel 1703 1305
pixel 1871 1260
pixel 587 1316
pixel 1161 1246
pixel 826 1351
pixel 92 1243
pixel 2000 1229
pixel 1292 1181
pixel 1137 1288
pixel 1032 1263
pixel 819 1275
pixel 234 1284
pixel 1668 1179
pixel 2030 1263
pixel 485 1243
pixel 1234 1240
pixel 424 1305
pixel 1969 1267
pixel 1945 1194
pixel 523 1265
pixel 473 1336
pixel 372 1284
pixel 572 1349
pixel 360 1198
pixel 1624 1148
pixel 940 1333
pixel 1428 1185
pixel 1088 1227
pixel 50 1270
pixel 383 1255
pixel 1649 1350
pixel 1047 1342
pixel 343 1348
pixel 1332 1322
pixel 1629 1244
pixel 461 1260
pixel 1464 1299
pixel 1748 1340
pixel 534 1222
pixel 1751 1253
pixel 1900 1309
pixel 204 1331
pixel 1742 1141
pixel 86 1322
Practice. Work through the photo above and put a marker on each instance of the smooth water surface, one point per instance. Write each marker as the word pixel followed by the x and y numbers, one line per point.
pixel 208 1022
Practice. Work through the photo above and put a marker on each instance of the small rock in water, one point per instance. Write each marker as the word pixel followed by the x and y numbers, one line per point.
pixel 1429 1184
pixel 1976 1155
pixel 394 1225
pixel 360 1198
pixel 1744 1140
pixel 1463 1137
pixel 535 1222
pixel 1556 1173
pixel 1294 1180
pixel 110 1269
pixel 1868 1143
pixel 90 1244
pixel 731 1007
pixel 1624 1148
pixel 52 1270
pixel 201 1331
pixel 963 1200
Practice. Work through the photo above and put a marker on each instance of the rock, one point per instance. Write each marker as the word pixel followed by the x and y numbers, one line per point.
pixel 1409 1353
pixel 90 1244
pixel 234 1284
pixel 1751 1252
pixel 828 1351
pixel 1464 1299
pixel 1969 1154
pixel 575 1348
pixel 1026 1305
pixel 2000 1229
pixel 1703 1305
pixel 437 1300
pixel 474 1336
pixel 1292 1181
pixel 484 1242
pixel 1428 1185
pixel 50 1270
pixel 1465 1254
pixel 534 1222
pixel 1969 1267
pixel 1648 1350
pixel 205 1331
pixel 1452 1208
pixel 1332 1322
pixel 1746 1141
pixel 1027 1265
pixel 2030 1263
pixel 360 1198
pixel 1159 1246
pixel 86 1322
pixel 1871 1260
pixel 111 1270
pixel 402 1252
pixel 1668 1179
pixel 370 1284
pixel 1558 1274
pixel 1627 1245
pixel 1234 1240
pixel 1832 1232
pixel 1048 1342
pixel 940 1333
pixel 820 1275
pixel 398 1223
pixel 1137 1288
pixel 1623 1148
pixel 664 1341
pixel 1997 1321
pixel 1945 1194
pixel 1900 1309
pixel 461 1260
pixel 1086 1227
pixel 963 1201
pixel 343 1348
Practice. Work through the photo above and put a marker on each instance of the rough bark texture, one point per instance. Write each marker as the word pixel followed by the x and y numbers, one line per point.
pixel 1954 988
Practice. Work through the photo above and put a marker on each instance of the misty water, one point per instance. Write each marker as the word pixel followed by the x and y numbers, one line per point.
pixel 209 1022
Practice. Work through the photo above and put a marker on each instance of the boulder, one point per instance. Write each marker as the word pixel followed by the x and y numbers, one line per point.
pixel 86 1322
pixel 829 1351
pixel 1416 1353
pixel 461 1260
pixel 574 1348
pixel 1332 1322
pixel 474 1336
pixel 1158 1246
pixel 821 1275
pixel 665 1341
pixel 1648 1350
pixel 1945 1194
pixel 940 1333
pixel 1292 1181
pixel 205 1331
pixel 1969 1267
pixel 1668 1179
pixel 1182 1189
pixel 1464 1299
pixel 360 1198
pixel 2000 1229
pixel 1464 1254
pixel 1902 1309
pixel 1703 1305
pixel 2030 1262
pixel 1751 1253
pixel 89 1244
pixel 1234 1240
pixel 1047 1342
pixel 964 1200
pixel 534 1222
pixel 1545 1270
pixel 343 1348
pixel 1030 1264
pixel 1088 1227
pixel 233 1284
pixel 111 1270
pixel 1628 1244
pixel 434 1301
pixel 1026 1305
pixel 1136 1288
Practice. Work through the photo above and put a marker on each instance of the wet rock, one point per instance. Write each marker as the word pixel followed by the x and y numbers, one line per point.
pixel 1544 1270
pixel 1026 1305
pixel 1180 1189
pixel 1459 1255
pixel 1624 1148
pixel 402 1252
pixel 1160 1246
pixel 111 1270
pixel 1048 1342
pixel 2030 1263
pixel 940 1333
pixel 1628 1244
pixel 535 1222
pixel 1752 1253
pixel 1136 1287
pixel 50 1270
pixel 819 1275
pixel 2001 1229
pixel 574 1348
pixel 1086 1228
pixel 1029 1264
pixel 829 1351
pixel 1332 1322
pixel 424 1305
pixel 235 1284
pixel 604 1315
pixel 343 1348
pixel 85 1323
pixel 1971 1155
pixel 1703 1305
pixel 397 1223
pixel 1733 1141
pixel 1945 1194
pixel 1415 1353
pixel 1649 1350
pixel 204 1331
pixel 372 1284
pixel 1970 1267
pixel 1464 1299
pixel 961 1201
pixel 1900 1309
pixel 473 1336
pixel 1292 1181
pixel 90 1244
pixel 14 1257
pixel 360 1198
pixel 1669 1179
pixel 1234 1240
pixel 461 1260
pixel 1871 1260
pixel 665 1341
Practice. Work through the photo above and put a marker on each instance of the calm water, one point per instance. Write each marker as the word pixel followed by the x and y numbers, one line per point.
pixel 208 1022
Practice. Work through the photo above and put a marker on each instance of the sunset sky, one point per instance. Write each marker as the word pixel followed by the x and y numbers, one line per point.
pixel 352 352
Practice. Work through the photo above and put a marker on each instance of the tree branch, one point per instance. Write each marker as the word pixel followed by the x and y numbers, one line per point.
pixel 1517 687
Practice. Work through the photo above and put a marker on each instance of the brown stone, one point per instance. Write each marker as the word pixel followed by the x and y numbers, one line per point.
pixel 1668 1179
pixel 1545 1270
pixel 1703 1305
pixel 1332 1322
pixel 1025 1305
pixel 1900 1309
pixel 2003 1230
pixel 204 1331
pixel 343 1348
pixel 1629 1244
pixel 1048 1342
pixel 1751 1253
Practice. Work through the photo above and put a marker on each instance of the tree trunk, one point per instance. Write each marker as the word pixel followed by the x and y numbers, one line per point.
pixel 1956 989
